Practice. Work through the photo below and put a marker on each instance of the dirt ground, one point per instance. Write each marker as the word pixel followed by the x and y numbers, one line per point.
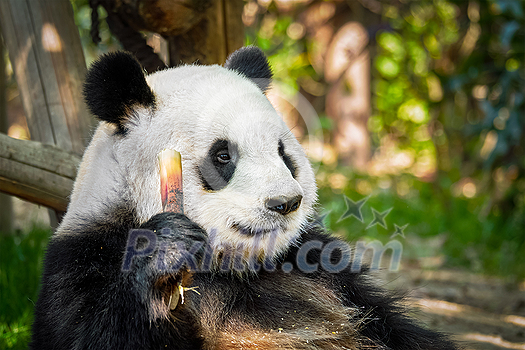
pixel 483 313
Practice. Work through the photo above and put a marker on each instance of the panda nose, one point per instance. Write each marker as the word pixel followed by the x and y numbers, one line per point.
pixel 284 205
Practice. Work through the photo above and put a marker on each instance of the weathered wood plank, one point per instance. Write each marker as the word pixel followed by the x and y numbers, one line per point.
pixel 20 41
pixel 68 69
pixel 39 190
pixel 47 40
pixel 44 46
pixel 45 157
pixel 42 174
pixel 48 61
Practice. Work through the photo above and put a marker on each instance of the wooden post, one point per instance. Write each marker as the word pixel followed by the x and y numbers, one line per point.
pixel 46 54
pixel 6 203
pixel 211 41
pixel 45 50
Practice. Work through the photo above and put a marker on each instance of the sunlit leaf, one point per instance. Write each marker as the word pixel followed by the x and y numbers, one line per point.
pixel 390 11
pixel 446 10
pixel 375 124
pixel 432 45
pixel 414 110
pixel 512 64
pixel 393 44
pixel 388 67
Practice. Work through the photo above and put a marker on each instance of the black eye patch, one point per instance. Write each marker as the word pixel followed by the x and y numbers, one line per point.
pixel 286 159
pixel 217 169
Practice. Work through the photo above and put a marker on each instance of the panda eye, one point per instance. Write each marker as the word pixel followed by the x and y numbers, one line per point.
pixel 223 156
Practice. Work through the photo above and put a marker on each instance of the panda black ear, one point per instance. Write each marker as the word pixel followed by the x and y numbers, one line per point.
pixel 252 63
pixel 114 84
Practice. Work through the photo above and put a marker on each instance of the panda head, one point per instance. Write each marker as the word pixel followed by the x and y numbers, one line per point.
pixel 246 178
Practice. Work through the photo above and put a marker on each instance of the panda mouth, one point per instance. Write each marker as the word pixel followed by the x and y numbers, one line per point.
pixel 254 231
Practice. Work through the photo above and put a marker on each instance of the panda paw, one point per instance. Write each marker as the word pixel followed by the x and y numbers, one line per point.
pixel 165 245
pixel 161 257
pixel 177 226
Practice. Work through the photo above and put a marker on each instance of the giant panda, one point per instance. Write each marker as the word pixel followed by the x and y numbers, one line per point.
pixel 248 187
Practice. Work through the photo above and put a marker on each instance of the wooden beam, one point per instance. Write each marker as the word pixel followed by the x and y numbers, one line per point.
pixel 42 174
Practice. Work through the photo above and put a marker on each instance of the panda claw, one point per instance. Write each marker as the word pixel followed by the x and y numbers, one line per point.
pixel 178 294
pixel 175 296
pixel 181 293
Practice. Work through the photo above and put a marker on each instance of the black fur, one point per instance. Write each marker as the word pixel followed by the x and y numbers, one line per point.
pixel 252 63
pixel 214 173
pixel 385 320
pixel 88 302
pixel 114 84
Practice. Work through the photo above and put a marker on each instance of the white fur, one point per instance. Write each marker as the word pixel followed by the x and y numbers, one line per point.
pixel 196 105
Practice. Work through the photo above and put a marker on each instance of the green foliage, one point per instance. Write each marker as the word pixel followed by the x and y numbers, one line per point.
pixel 448 93
pixel 288 57
pixel 456 69
pixel 405 83
pixel 489 244
pixel 20 269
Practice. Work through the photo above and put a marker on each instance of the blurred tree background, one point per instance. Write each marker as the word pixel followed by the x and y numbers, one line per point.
pixel 438 134
pixel 421 105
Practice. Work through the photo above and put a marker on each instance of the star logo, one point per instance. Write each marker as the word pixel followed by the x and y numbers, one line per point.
pixel 353 209
pixel 400 231
pixel 379 218
pixel 321 218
